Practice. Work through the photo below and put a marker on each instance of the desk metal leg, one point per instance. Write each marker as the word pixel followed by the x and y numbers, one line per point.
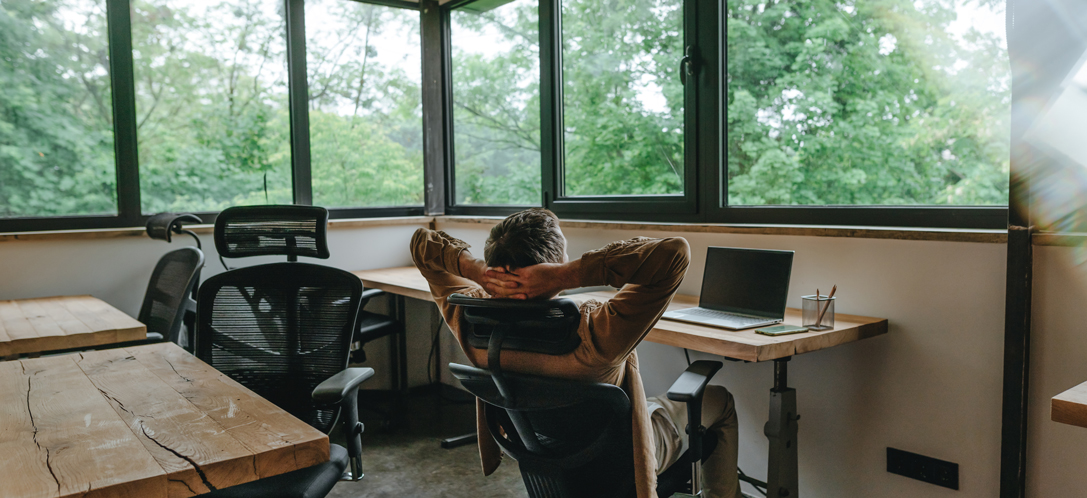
pixel 781 429
pixel 402 344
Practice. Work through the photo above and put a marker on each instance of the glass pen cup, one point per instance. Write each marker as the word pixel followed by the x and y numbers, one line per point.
pixel 811 309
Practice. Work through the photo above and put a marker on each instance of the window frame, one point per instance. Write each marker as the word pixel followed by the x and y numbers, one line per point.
pixel 705 182
pixel 129 210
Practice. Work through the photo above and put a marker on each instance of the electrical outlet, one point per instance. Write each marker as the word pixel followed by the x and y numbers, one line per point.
pixel 923 468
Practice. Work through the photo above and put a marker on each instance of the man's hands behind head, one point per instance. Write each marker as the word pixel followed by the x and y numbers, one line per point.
pixel 544 280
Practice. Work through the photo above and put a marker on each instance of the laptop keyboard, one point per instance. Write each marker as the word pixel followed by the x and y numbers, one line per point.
pixel 737 319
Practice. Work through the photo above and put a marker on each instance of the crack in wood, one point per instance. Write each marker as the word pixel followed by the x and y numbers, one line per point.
pixel 200 472
pixel 48 456
pixel 182 481
pixel 175 370
pixel 118 402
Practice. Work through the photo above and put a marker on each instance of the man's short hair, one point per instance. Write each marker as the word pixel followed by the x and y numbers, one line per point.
pixel 526 238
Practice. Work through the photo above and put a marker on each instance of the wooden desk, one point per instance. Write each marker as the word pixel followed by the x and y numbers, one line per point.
pixel 146 421
pixel 52 323
pixel 1070 407
pixel 738 344
pixel 781 429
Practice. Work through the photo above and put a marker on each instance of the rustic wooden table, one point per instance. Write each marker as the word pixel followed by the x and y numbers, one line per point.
pixel 738 344
pixel 50 323
pixel 146 421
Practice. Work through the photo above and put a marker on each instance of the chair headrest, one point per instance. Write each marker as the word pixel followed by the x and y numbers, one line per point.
pixel 161 226
pixel 548 327
pixel 286 230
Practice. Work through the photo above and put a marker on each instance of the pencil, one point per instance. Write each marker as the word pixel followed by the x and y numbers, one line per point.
pixel 826 307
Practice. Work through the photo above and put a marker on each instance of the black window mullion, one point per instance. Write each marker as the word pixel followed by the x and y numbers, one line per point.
pixel 119 27
pixel 712 183
pixel 551 157
pixel 434 29
pixel 298 91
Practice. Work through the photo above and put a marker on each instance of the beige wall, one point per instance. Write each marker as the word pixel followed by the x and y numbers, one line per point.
pixel 1057 453
pixel 932 385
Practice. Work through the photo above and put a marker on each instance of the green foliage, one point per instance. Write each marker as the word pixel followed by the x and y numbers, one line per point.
pixel 56 141
pixel 365 112
pixel 864 102
pixel 496 106
pixel 211 108
pixel 617 54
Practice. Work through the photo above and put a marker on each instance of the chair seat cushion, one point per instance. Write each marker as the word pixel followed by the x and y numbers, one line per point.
pixel 373 326
pixel 310 482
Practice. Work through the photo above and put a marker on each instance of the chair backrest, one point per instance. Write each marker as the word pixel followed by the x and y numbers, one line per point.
pixel 287 230
pixel 168 291
pixel 571 439
pixel 280 329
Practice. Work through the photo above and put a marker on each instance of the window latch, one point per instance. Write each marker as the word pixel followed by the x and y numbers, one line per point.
pixel 688 65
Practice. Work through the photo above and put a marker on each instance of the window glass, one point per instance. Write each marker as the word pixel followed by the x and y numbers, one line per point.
pixel 211 104
pixel 867 102
pixel 496 102
pixel 365 108
pixel 622 97
pixel 56 109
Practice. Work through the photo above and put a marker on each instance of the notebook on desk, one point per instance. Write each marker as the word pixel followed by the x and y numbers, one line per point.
pixel 741 289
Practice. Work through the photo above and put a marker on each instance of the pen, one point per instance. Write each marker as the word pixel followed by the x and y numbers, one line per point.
pixel 826 307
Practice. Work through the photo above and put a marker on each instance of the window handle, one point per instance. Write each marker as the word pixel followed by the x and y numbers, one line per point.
pixel 688 64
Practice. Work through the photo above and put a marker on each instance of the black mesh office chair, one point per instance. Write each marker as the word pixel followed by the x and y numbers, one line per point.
pixel 169 296
pixel 570 439
pixel 284 330
pixel 169 302
pixel 262 230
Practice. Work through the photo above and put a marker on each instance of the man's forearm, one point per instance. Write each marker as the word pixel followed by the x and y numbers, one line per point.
pixel 471 268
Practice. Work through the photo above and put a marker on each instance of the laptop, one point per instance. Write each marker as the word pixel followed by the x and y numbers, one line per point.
pixel 741 289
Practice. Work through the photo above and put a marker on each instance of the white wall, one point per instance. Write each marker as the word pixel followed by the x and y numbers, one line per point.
pixel 932 385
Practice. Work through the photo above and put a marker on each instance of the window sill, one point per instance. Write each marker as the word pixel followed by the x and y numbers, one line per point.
pixel 115 233
pixel 934 234
pixel 926 234
pixel 1071 239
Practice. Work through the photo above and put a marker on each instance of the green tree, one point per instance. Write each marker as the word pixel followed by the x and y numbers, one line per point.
pixel 365 109
pixel 56 131
pixel 617 56
pixel 496 105
pixel 211 105
pixel 864 102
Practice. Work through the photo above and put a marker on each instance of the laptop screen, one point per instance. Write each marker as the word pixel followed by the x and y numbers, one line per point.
pixel 747 281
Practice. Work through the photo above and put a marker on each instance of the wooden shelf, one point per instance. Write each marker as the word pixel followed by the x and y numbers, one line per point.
pixel 1070 407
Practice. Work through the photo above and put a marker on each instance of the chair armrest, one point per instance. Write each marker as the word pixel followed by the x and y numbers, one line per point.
pixel 689 388
pixel 369 294
pixel 338 387
pixel 692 382
pixel 342 389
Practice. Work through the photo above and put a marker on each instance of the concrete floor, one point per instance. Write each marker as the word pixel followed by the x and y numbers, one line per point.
pixel 408 461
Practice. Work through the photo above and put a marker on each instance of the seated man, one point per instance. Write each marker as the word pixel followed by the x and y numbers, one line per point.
pixel 525 258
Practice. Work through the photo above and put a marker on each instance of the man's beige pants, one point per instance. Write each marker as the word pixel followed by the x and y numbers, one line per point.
pixel 669 419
